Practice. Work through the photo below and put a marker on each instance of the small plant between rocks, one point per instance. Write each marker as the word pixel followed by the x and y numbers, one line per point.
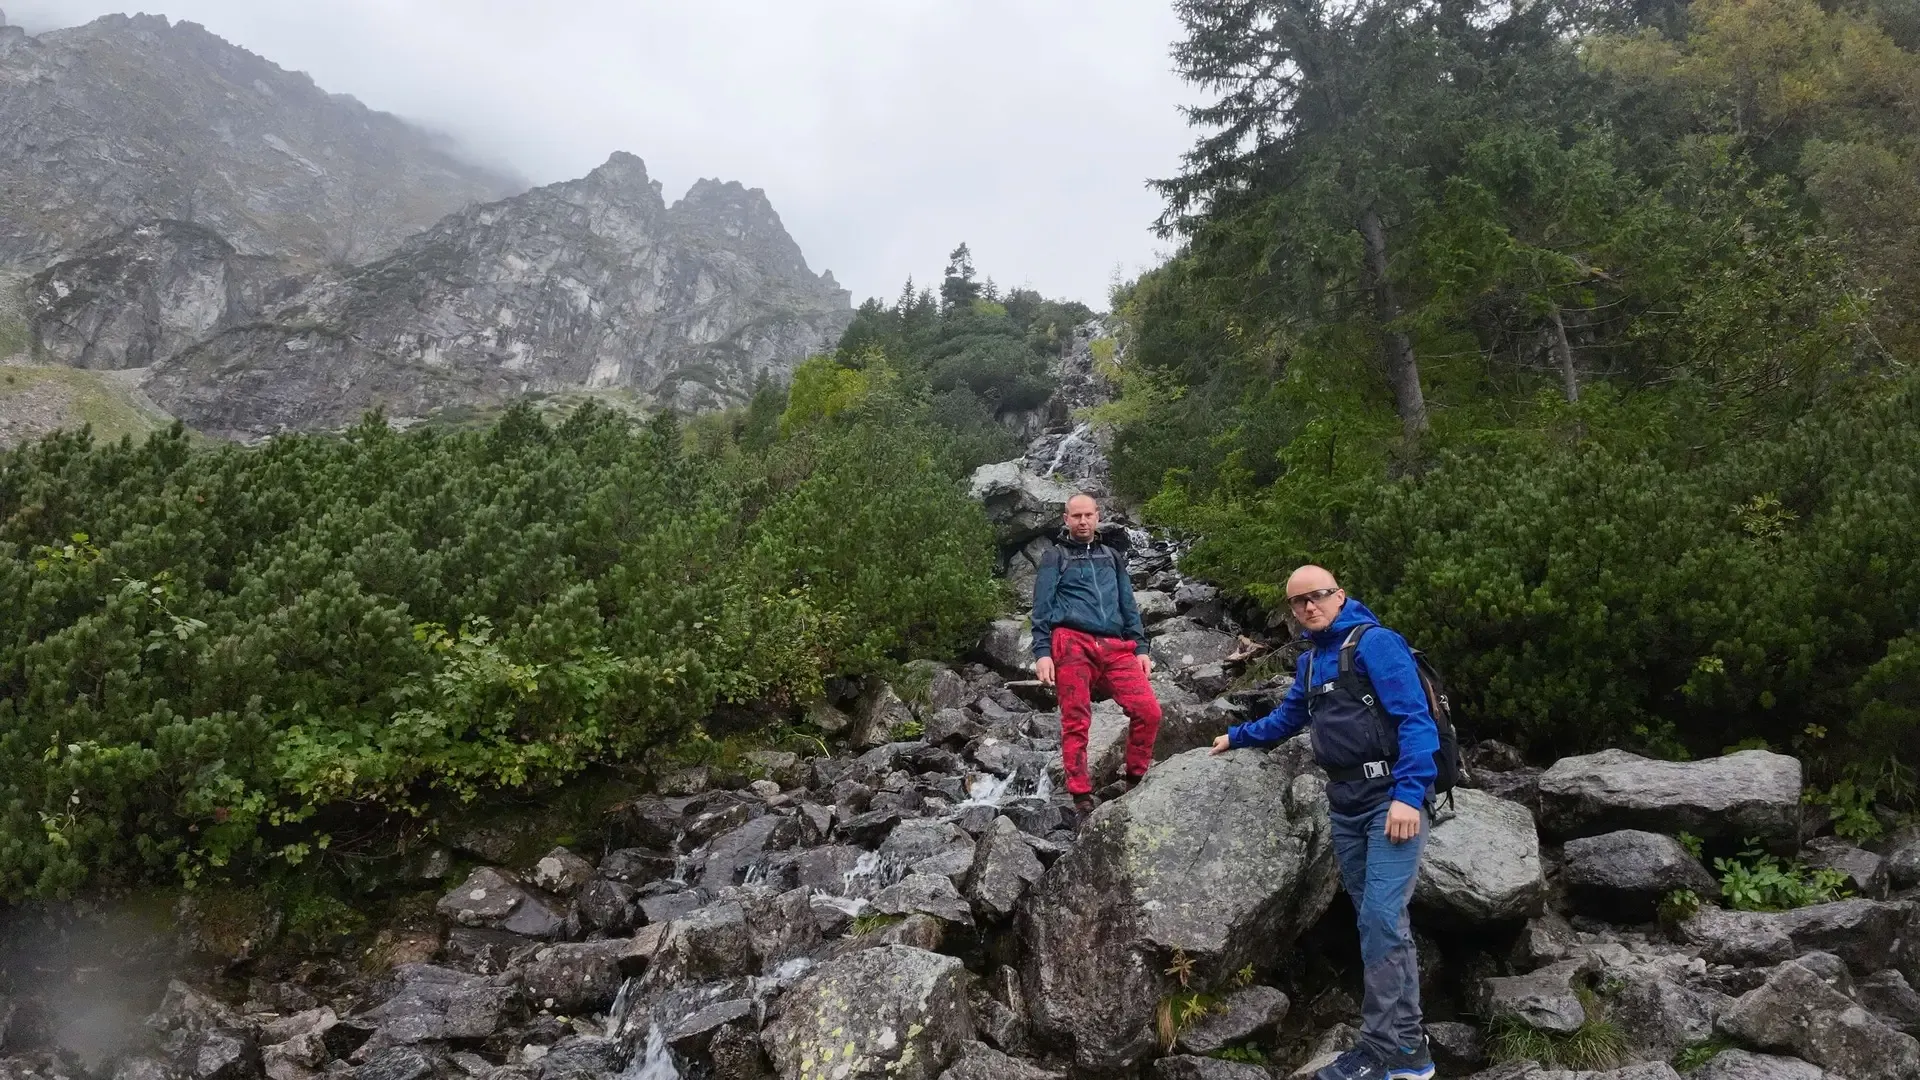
pixel 1755 880
pixel 1697 1054
pixel 872 921
pixel 1596 1044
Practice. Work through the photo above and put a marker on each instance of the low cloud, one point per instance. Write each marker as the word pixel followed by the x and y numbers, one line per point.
pixel 884 132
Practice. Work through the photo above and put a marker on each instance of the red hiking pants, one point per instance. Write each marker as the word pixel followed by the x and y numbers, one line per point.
pixel 1082 662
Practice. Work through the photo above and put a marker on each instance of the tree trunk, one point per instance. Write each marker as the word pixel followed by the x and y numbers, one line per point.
pixel 1403 369
pixel 1563 355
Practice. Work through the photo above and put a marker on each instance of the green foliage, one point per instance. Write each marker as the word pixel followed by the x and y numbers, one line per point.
pixel 1757 881
pixel 219 656
pixel 975 355
pixel 1678 906
pixel 1245 1053
pixel 1651 277
pixel 1851 807
pixel 1694 1055
pixel 1694 845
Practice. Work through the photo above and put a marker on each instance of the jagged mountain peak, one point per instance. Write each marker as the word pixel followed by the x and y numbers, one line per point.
pixel 130 118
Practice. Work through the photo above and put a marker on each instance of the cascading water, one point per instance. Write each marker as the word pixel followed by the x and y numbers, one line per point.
pixel 986 790
pixel 1060 452
pixel 654 1061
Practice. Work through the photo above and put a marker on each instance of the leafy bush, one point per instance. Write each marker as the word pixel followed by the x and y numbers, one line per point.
pixel 1758 881
pixel 217 653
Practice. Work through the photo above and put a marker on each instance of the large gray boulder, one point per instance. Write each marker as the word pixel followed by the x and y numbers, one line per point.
pixel 1221 860
pixel 1004 867
pixel 1660 1010
pixel 886 1013
pixel 1751 793
pixel 1737 1064
pixel 1193 648
pixel 1482 865
pixel 1252 1012
pixel 925 894
pixel 1866 873
pixel 1888 995
pixel 1545 1000
pixel 430 1003
pixel 494 898
pixel 1007 645
pixel 1870 935
pixel 1621 876
pixel 977 1061
pixel 1798 1010
pixel 580 976
pixel 1903 860
pixel 1021 504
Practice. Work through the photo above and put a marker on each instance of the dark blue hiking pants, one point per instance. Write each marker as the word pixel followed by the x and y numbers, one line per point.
pixel 1379 875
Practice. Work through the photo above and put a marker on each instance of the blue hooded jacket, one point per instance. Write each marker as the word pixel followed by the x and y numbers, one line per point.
pixel 1386 661
pixel 1084 586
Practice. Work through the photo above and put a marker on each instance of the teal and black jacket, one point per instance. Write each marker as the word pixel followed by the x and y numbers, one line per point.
pixel 1084 586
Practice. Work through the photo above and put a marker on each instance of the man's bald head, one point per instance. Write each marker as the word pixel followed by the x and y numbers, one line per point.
pixel 1082 517
pixel 1314 597
pixel 1310 577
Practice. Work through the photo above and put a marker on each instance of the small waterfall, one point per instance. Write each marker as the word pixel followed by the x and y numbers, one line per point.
pixel 1060 451
pixel 654 1061
pixel 865 867
pixel 790 970
pixel 986 790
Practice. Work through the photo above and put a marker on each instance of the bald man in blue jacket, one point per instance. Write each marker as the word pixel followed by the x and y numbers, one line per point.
pixel 1375 736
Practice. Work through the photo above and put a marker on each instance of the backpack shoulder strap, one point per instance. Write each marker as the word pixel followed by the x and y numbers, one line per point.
pixel 1350 646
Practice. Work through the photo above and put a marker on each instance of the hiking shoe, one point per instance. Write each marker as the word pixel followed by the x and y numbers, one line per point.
pixel 1132 782
pixel 1359 1063
pixel 1083 804
pixel 1414 1064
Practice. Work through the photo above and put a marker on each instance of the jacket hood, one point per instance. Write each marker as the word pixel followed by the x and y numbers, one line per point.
pixel 1353 613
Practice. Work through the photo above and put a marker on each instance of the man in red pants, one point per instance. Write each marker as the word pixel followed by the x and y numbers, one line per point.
pixel 1087 634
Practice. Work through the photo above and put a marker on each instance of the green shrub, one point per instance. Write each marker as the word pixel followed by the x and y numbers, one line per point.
pixel 1758 881
pixel 213 651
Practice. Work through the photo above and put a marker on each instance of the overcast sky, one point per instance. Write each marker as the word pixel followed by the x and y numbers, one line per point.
pixel 884 131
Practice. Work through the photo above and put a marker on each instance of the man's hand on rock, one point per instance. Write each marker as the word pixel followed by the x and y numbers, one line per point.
pixel 1043 670
pixel 1221 745
pixel 1146 663
pixel 1403 822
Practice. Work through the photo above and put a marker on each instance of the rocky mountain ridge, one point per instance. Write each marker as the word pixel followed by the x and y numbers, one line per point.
pixel 129 119
pixel 225 285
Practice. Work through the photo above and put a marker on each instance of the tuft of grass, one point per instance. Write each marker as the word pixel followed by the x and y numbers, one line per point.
pixel 1596 1045
pixel 868 923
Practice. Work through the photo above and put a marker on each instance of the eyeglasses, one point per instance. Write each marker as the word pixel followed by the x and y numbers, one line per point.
pixel 1306 599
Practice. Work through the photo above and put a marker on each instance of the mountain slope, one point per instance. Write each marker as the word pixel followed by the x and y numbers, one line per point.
pixel 592 283
pixel 130 119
